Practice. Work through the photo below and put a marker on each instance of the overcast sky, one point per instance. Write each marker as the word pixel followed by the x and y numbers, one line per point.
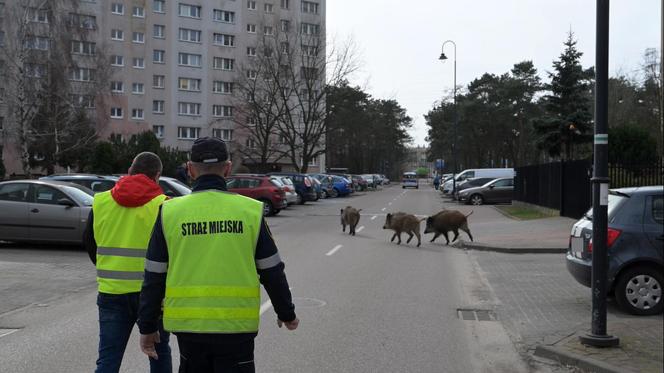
pixel 400 41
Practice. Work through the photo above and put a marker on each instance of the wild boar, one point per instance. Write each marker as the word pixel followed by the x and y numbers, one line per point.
pixel 401 222
pixel 445 221
pixel 350 216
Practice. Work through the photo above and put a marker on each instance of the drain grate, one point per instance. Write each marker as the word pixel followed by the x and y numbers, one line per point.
pixel 476 314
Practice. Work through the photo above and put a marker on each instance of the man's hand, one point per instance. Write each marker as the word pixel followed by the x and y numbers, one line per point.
pixel 290 325
pixel 147 344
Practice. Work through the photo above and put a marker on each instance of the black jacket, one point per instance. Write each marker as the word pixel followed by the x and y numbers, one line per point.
pixel 271 275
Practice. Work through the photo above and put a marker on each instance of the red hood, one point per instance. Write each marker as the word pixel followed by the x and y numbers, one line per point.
pixel 135 190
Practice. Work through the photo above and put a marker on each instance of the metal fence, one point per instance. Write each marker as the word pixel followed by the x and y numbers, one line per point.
pixel 565 186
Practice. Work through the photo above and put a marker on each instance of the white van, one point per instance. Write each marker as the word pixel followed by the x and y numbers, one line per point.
pixel 472 173
pixel 409 180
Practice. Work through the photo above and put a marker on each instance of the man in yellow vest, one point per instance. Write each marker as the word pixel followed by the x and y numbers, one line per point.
pixel 117 236
pixel 208 253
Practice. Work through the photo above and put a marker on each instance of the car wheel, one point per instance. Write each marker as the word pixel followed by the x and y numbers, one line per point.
pixel 639 291
pixel 403 187
pixel 300 199
pixel 268 209
pixel 335 193
pixel 324 194
pixel 276 212
pixel 417 187
pixel 476 199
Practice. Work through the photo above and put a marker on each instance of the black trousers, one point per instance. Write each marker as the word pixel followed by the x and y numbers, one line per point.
pixel 198 357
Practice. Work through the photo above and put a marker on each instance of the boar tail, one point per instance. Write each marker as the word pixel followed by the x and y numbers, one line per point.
pixel 471 212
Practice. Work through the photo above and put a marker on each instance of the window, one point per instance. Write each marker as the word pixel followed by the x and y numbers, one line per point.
pixel 309 50
pixel 658 209
pixel 83 101
pixel 192 11
pixel 35 70
pixel 139 63
pixel 251 5
pixel 83 21
pixel 117 8
pixel 226 135
pixel 252 74
pixel 158 31
pixel 158 106
pixel 82 74
pixel 268 30
pixel 222 87
pixel 117 61
pixel 117 34
pixel 138 12
pixel 251 51
pixel 504 183
pixel 284 25
pixel 38 15
pixel 189 108
pixel 224 39
pixel 17 192
pixel 47 195
pixel 138 37
pixel 222 111
pixel 2 38
pixel 188 133
pixel 310 29
pixel 158 56
pixel 158 131
pixel 251 28
pixel 137 88
pixel 37 42
pixel 158 81
pixel 117 87
pixel 116 112
pixel 189 84
pixel 285 4
pixel 284 47
pixel 187 59
pixel 222 63
pixel 313 161
pixel 309 7
pixel 223 16
pixel 193 36
pixel 250 143
pixel 159 6
pixel 268 8
pixel 137 114
pixel 83 47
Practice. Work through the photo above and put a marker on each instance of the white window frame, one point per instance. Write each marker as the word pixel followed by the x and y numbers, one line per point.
pixel 194 11
pixel 285 4
pixel 188 58
pixel 114 60
pixel 138 12
pixel 81 74
pixel 224 40
pixel 223 63
pixel 137 114
pixel 252 74
pixel 117 86
pixel 159 9
pixel 137 88
pixel 189 84
pixel 117 34
pixel 81 47
pixel 138 37
pixel 138 63
pixel 116 113
pixel 222 87
pixel 158 106
pixel 159 31
pixel 251 51
pixel 224 16
pixel 251 28
pixel 161 53
pixel 251 4
pixel 192 133
pixel 268 30
pixel 268 8
pixel 158 130
pixel 191 109
pixel 37 43
pixel 159 79
pixel 189 35
pixel 115 7
pixel 310 7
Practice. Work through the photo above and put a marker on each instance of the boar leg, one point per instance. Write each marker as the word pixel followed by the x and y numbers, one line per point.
pixel 393 237
pixel 410 237
pixel 446 239
pixel 399 236
pixel 343 226
pixel 419 240
pixel 436 235
pixel 468 233
pixel 456 235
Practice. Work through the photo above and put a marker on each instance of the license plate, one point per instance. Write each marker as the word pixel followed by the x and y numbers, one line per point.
pixel 577 245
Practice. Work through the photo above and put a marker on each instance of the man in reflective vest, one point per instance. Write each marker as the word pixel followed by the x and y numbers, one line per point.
pixel 117 236
pixel 208 252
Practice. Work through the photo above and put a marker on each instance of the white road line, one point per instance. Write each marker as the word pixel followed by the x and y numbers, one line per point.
pixel 334 250
pixel 359 229
pixel 374 217
pixel 389 203
pixel 265 306
pixel 383 209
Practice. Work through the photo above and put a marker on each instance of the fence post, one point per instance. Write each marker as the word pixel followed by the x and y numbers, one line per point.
pixel 562 187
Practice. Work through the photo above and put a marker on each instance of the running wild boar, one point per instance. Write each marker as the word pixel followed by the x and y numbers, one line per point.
pixel 350 216
pixel 401 222
pixel 445 221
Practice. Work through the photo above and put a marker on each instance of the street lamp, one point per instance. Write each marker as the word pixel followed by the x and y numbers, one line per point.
pixel 443 57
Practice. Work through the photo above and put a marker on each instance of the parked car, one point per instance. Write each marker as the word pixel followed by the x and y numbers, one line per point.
pixel 261 188
pixel 496 191
pixel 371 180
pixel 327 186
pixel 342 186
pixel 471 183
pixel 173 187
pixel 288 187
pixel 316 185
pixel 360 183
pixel 43 211
pixel 409 180
pixel 96 183
pixel 386 181
pixel 635 242
pixel 303 187
pixel 475 173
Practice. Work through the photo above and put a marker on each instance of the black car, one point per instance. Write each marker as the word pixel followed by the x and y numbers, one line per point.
pixel 471 183
pixel 635 243
pixel 303 186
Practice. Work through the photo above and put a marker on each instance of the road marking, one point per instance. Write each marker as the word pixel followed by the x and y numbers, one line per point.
pixel 389 203
pixel 334 250
pixel 374 217
pixel 265 306
pixel 6 332
pixel 383 209
pixel 360 229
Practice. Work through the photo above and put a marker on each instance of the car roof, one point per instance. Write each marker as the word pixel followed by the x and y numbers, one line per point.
pixel 74 176
pixel 639 190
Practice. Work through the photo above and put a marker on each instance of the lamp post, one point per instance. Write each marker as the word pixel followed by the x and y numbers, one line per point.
pixel 443 57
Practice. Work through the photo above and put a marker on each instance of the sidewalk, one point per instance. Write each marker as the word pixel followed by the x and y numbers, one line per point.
pixel 493 231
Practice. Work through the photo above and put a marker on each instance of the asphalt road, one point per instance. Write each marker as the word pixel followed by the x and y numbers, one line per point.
pixel 365 304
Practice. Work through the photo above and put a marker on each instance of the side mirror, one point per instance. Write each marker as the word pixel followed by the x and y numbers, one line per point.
pixel 491 186
pixel 170 194
pixel 66 202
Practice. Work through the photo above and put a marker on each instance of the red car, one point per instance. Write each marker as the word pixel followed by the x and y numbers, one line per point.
pixel 261 188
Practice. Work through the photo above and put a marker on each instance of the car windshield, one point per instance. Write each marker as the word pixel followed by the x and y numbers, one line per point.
pixel 276 182
pixel 179 186
pixel 615 201
pixel 80 196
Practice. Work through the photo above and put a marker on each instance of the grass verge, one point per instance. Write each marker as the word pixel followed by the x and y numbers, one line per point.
pixel 522 213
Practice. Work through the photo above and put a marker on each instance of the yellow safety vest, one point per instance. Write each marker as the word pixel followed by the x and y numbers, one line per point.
pixel 122 235
pixel 211 284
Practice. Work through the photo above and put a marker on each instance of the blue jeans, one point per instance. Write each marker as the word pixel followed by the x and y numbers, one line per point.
pixel 117 316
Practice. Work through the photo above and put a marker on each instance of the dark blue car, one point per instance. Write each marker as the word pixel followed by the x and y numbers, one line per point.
pixel 341 185
pixel 303 186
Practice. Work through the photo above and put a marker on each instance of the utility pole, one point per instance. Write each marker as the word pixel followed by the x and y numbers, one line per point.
pixel 661 79
pixel 600 182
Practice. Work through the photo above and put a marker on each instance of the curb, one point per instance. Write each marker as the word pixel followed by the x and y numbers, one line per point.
pixel 510 250
pixel 568 358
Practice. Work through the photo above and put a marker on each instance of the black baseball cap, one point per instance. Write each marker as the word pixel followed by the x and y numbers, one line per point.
pixel 209 150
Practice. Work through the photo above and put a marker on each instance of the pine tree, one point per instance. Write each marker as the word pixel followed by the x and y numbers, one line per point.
pixel 568 119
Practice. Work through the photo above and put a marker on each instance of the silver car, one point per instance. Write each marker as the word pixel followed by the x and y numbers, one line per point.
pixel 39 211
pixel 289 188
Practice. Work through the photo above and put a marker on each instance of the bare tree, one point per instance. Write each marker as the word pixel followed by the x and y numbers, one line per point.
pixel 55 72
